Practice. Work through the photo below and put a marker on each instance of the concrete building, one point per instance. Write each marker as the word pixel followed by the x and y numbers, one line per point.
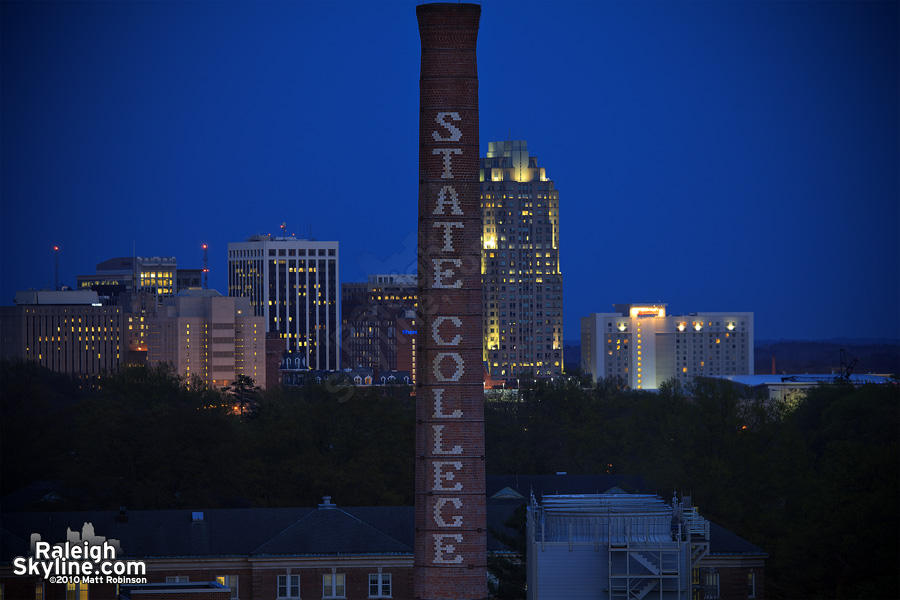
pixel 370 316
pixel 643 345
pixel 521 275
pixel 66 331
pixel 209 335
pixel 293 284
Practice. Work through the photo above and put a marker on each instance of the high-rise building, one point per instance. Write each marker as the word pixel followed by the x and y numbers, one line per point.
pixel 293 283
pixel 370 314
pixel 645 347
pixel 203 333
pixel 66 331
pixel 521 276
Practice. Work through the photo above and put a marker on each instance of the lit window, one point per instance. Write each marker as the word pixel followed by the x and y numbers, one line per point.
pixel 76 591
pixel 333 585
pixel 229 581
pixel 711 585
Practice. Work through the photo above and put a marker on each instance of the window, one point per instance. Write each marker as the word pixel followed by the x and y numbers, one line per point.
pixel 379 585
pixel 76 591
pixel 333 585
pixel 229 581
pixel 751 584
pixel 39 591
pixel 711 584
pixel 288 586
pixel 178 579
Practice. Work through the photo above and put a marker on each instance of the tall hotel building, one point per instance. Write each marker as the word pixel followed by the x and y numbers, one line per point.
pixel 521 278
pixel 646 347
pixel 294 285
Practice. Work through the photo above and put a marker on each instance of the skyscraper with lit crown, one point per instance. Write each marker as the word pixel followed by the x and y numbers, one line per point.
pixel 521 276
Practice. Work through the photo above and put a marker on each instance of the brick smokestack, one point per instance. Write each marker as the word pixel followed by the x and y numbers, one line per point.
pixel 451 553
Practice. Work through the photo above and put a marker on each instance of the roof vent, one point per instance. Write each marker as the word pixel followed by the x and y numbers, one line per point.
pixel 197 517
pixel 326 502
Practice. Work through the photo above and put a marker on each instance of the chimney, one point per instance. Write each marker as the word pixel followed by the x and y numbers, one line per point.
pixel 450 520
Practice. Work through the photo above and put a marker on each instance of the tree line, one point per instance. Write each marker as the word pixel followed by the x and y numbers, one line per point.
pixel 813 481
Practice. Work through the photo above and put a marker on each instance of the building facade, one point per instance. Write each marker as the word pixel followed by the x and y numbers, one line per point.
pixel 293 285
pixel 139 285
pixel 644 346
pixel 203 333
pixel 521 275
pixel 371 313
pixel 66 331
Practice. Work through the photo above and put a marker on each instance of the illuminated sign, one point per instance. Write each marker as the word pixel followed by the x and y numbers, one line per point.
pixel 648 311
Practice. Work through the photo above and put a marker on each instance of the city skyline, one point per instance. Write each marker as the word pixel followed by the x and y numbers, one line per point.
pixel 709 155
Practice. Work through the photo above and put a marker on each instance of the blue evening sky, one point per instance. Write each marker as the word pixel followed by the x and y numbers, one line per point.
pixel 711 155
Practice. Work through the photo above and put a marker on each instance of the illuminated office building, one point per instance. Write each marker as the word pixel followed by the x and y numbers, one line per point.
pixel 68 332
pixel 293 283
pixel 643 345
pixel 521 276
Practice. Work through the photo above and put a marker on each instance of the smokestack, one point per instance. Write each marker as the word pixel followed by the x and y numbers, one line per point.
pixel 450 544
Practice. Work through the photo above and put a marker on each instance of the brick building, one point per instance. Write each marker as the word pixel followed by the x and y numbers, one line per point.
pixel 371 315
pixel 322 552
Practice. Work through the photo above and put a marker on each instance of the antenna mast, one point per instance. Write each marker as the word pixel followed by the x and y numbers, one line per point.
pixel 205 267
pixel 56 274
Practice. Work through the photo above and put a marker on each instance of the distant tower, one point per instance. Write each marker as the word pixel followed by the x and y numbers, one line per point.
pixel 521 278
pixel 450 542
pixel 205 267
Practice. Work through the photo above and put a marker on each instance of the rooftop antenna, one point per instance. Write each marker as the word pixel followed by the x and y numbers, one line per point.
pixel 284 229
pixel 205 267
pixel 56 276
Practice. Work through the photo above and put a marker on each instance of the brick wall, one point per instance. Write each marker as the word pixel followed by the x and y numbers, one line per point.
pixel 450 541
